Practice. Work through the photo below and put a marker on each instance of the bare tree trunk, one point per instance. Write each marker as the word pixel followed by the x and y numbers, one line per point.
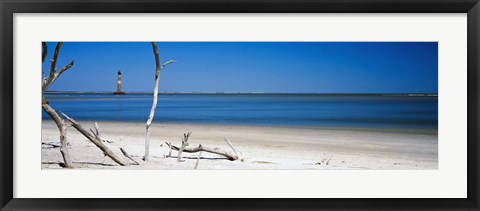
pixel 95 140
pixel 155 99
pixel 154 104
pixel 63 133
pixel 53 75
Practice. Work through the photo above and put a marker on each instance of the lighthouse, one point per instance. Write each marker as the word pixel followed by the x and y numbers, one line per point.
pixel 119 84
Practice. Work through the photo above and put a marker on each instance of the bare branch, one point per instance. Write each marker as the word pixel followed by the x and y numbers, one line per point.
pixel 170 150
pixel 97 130
pixel 231 146
pixel 128 156
pixel 53 75
pixel 44 56
pixel 95 140
pixel 93 132
pixel 157 60
pixel 64 69
pixel 53 65
pixel 44 52
pixel 167 63
pixel 184 144
pixel 56 75
pixel 198 160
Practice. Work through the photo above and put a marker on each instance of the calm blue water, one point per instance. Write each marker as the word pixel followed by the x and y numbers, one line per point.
pixel 375 111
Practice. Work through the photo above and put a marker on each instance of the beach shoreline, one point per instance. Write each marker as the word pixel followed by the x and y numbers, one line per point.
pixel 261 147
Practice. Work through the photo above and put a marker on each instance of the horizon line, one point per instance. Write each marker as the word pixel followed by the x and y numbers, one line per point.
pixel 146 92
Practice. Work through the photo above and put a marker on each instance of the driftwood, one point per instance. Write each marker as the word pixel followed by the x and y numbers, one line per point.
pixel 155 98
pixel 325 161
pixel 198 160
pixel 170 150
pixel 184 144
pixel 128 156
pixel 231 146
pixel 97 133
pixel 63 133
pixel 52 76
pixel 50 145
pixel 95 140
pixel 200 148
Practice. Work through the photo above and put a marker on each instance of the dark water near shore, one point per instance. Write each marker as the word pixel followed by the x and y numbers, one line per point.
pixel 329 110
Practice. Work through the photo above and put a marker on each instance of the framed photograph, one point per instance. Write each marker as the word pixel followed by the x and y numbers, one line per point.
pixel 239 105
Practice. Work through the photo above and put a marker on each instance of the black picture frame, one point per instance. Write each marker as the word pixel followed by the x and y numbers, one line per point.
pixel 10 7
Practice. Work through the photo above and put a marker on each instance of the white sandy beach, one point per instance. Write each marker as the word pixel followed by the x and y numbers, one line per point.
pixel 261 147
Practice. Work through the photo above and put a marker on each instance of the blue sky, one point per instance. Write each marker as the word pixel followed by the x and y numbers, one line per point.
pixel 293 67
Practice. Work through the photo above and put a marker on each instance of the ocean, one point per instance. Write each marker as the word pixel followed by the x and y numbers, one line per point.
pixel 323 110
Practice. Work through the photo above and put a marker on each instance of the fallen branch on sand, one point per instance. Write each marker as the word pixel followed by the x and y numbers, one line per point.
pixel 201 148
pixel 95 140
pixel 231 146
pixel 50 145
pixel 128 156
